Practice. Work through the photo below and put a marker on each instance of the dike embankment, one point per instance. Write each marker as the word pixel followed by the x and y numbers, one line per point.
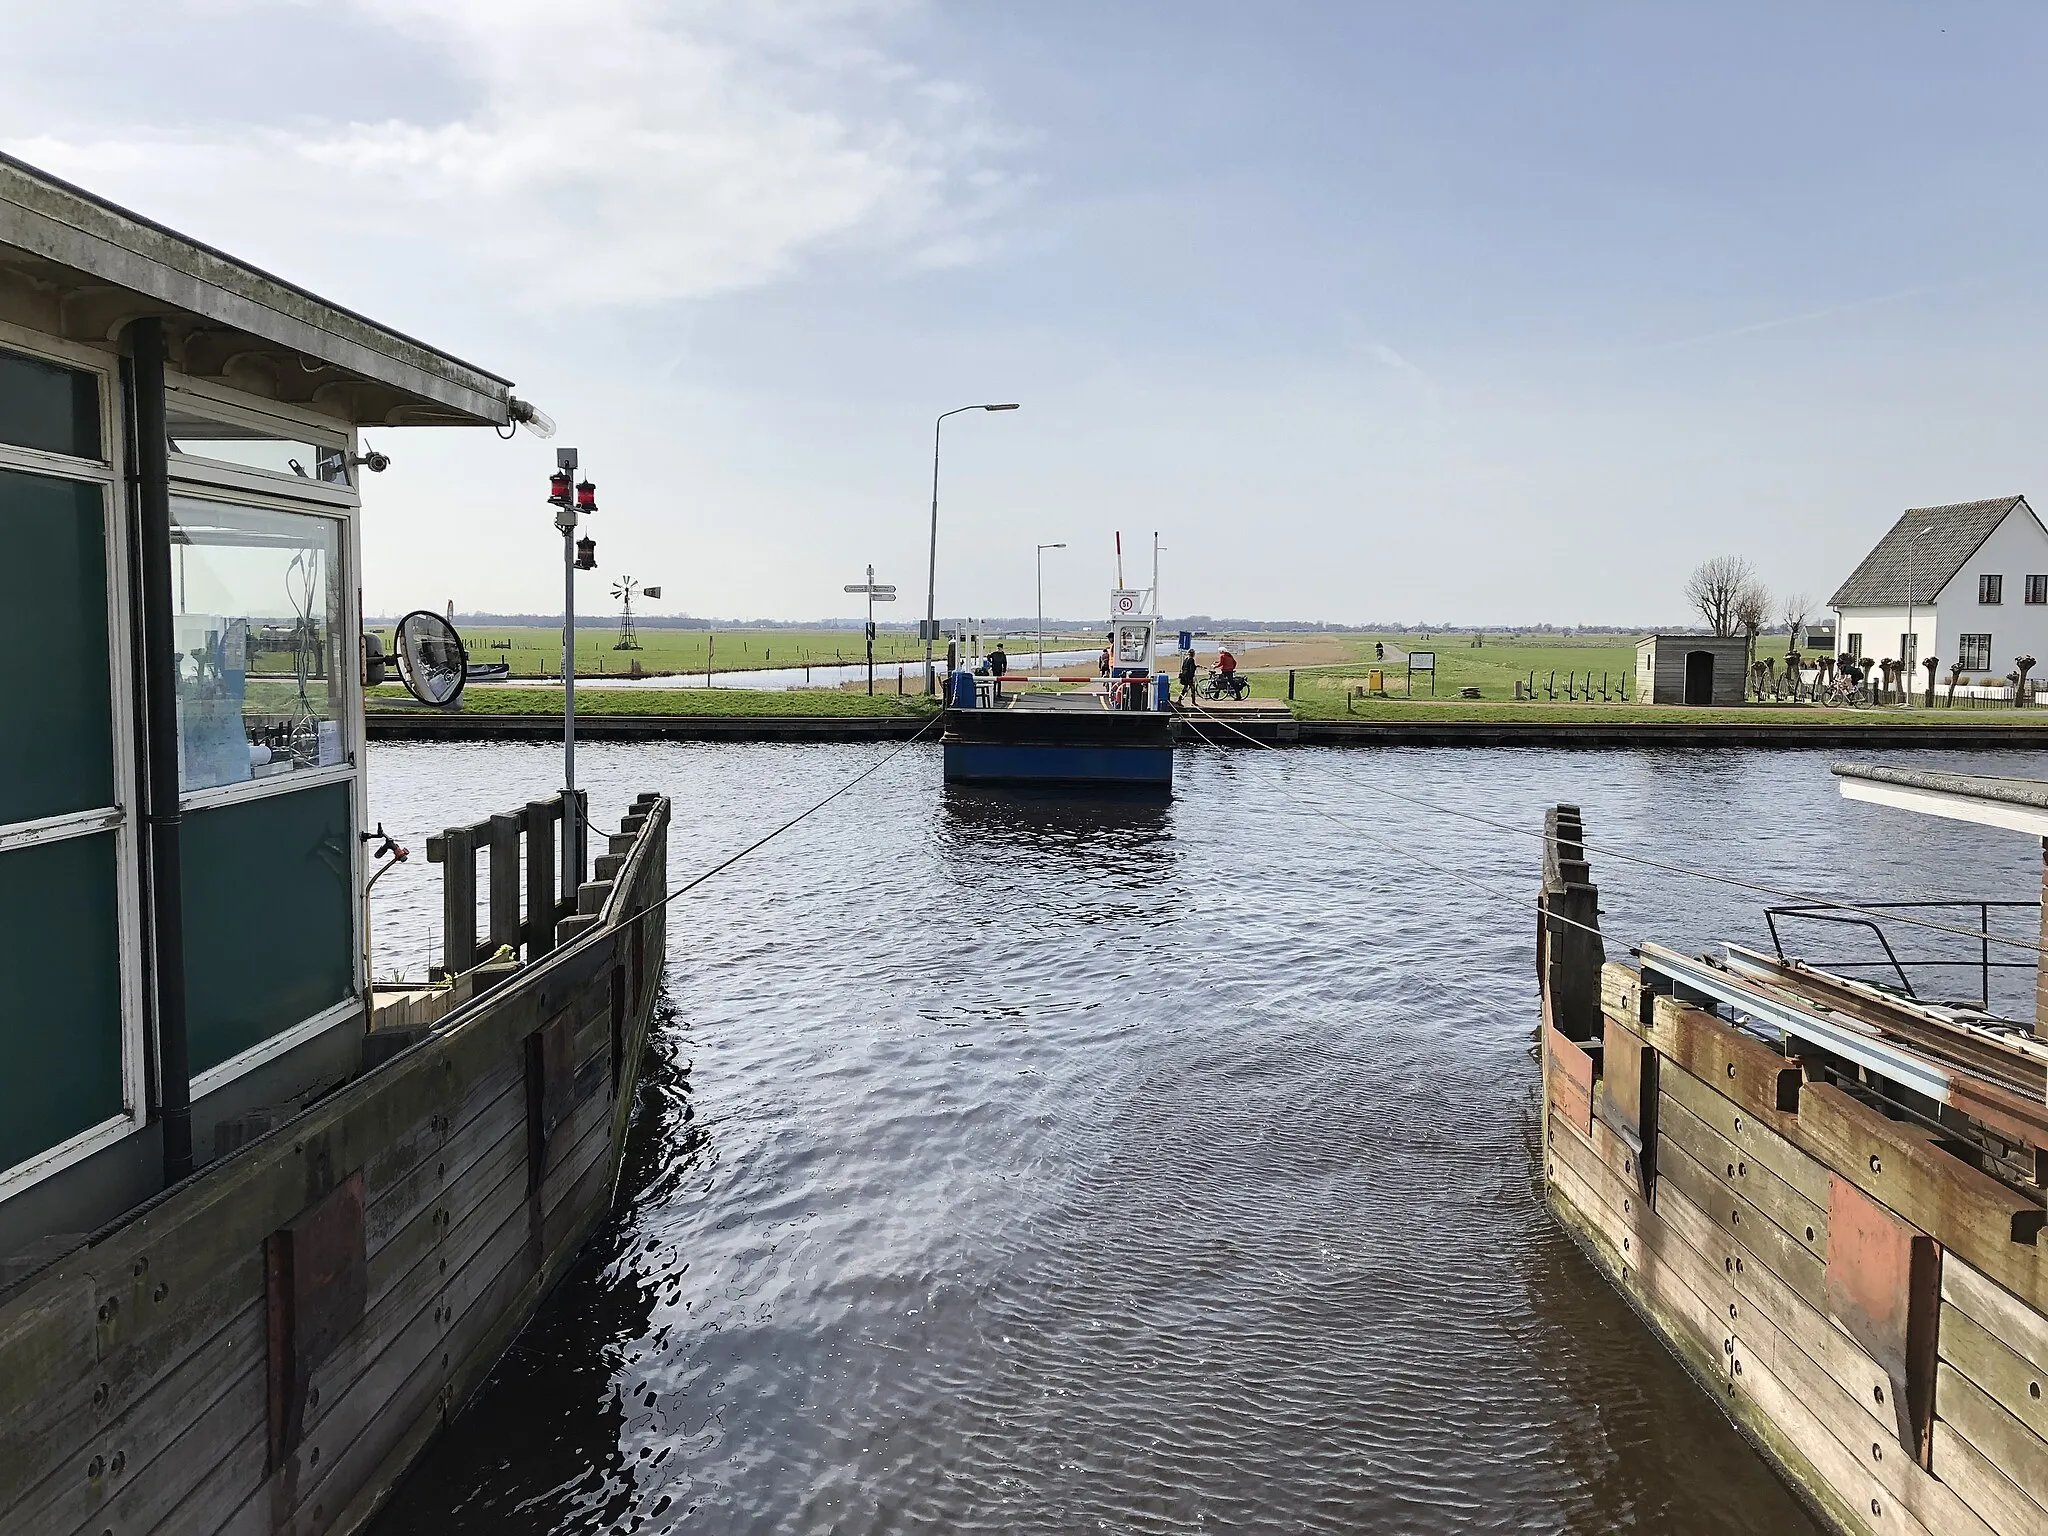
pixel 421 725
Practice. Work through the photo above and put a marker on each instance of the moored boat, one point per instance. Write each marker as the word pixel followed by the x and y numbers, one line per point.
pixel 264 1224
pixel 1822 1186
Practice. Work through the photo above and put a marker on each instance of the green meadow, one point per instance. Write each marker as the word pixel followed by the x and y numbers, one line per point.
pixel 538 652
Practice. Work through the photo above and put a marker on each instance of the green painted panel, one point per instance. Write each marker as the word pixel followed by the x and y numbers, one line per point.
pixel 60 993
pixel 49 407
pixel 269 921
pixel 57 746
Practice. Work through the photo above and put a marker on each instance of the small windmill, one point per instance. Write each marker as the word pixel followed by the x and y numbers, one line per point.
pixel 623 589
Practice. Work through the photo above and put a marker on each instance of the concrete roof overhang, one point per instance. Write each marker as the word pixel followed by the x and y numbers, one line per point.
pixel 2018 805
pixel 76 266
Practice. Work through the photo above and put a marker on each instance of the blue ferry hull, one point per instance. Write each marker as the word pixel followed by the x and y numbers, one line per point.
pixel 1004 762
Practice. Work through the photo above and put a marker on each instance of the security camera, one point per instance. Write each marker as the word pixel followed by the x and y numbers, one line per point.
pixel 376 463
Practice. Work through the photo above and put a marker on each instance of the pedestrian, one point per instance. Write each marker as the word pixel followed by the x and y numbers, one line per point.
pixel 1105 661
pixel 998 664
pixel 1187 677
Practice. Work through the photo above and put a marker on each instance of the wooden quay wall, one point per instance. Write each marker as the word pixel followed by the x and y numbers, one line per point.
pixel 266 1347
pixel 1867 1303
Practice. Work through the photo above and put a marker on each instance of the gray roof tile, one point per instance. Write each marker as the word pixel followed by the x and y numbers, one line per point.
pixel 1959 529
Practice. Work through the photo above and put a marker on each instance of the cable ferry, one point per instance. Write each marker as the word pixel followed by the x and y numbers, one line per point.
pixel 1822 1185
pixel 1116 729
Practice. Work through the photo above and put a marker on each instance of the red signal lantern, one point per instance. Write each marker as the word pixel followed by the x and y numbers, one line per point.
pixel 558 488
pixel 586 496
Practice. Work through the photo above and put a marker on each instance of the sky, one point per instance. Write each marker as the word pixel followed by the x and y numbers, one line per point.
pixel 1459 313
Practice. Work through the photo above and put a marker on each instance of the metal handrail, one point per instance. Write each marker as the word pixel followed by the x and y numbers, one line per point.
pixel 1830 912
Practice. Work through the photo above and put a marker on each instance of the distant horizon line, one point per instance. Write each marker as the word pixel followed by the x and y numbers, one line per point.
pixel 1011 625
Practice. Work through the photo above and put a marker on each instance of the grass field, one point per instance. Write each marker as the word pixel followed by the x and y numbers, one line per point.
pixel 537 652
pixel 1560 663
pixel 736 703
pixel 1490 710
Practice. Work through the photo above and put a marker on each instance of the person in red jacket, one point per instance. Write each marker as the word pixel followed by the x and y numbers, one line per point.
pixel 1226 663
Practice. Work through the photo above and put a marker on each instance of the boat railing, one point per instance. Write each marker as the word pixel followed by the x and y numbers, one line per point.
pixel 1886 959
pixel 525 907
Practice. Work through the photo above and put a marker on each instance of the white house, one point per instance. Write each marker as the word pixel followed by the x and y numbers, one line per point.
pixel 1977 576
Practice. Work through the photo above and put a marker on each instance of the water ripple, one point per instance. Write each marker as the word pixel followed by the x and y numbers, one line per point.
pixel 1012 1166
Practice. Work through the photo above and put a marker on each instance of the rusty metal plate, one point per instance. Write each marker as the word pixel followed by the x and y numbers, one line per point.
pixel 317 1274
pixel 1884 1289
pixel 1571 1079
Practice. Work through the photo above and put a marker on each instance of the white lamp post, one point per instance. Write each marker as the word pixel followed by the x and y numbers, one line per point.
pixel 931 586
pixel 1912 641
pixel 1041 601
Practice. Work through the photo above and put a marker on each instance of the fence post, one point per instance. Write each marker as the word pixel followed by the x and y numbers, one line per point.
pixel 540 877
pixel 1290 685
pixel 504 881
pixel 458 898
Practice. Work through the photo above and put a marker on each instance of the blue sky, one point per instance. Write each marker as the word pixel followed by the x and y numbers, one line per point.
pixel 1467 313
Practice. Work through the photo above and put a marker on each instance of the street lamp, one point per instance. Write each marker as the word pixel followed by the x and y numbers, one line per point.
pixel 1041 601
pixel 931 583
pixel 1912 642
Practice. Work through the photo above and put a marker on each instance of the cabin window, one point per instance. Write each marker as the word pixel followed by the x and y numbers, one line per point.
pixel 1973 653
pixel 49 408
pixel 202 433
pixel 262 669
pixel 2037 589
pixel 269 920
pixel 1990 589
pixel 57 747
pixel 69 1021
pixel 1855 645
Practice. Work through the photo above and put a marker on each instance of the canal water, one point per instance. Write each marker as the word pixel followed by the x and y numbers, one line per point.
pixel 1048 1166
pixel 821 674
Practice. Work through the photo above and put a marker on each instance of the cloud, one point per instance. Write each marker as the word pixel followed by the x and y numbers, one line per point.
pixel 1801 318
pixel 616 152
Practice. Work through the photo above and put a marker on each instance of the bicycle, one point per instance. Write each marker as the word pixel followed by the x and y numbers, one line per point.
pixel 1217 684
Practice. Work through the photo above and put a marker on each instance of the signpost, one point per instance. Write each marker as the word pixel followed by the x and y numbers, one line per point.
pixel 1422 661
pixel 875 594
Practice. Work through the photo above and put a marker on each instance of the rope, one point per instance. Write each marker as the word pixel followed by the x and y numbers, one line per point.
pixel 719 868
pixel 1449 874
pixel 1676 869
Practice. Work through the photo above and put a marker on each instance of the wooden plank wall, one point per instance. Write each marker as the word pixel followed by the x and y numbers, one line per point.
pixel 1660 676
pixel 153 1381
pixel 1870 1307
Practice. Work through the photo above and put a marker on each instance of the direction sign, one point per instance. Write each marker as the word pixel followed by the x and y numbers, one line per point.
pixel 880 593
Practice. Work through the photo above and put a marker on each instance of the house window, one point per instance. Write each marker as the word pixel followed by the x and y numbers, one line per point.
pixel 1855 647
pixel 1973 653
pixel 1990 589
pixel 2037 589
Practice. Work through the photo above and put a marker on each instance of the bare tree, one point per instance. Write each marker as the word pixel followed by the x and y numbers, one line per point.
pixel 1793 612
pixel 1752 608
pixel 1716 587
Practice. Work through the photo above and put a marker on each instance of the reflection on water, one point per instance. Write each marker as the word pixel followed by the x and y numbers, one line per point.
pixel 1014 1165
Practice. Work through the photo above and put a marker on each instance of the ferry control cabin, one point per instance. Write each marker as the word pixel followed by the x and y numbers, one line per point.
pixel 1691 669
pixel 180 472
pixel 264 1226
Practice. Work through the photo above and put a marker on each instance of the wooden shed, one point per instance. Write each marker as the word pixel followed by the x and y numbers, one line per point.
pixel 1691 669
